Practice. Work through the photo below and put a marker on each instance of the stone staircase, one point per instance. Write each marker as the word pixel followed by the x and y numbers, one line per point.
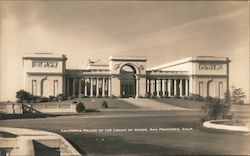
pixel 149 104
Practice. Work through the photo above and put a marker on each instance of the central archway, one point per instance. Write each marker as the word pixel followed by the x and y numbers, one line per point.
pixel 127 81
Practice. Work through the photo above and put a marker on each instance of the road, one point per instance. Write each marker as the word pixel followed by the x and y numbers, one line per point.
pixel 139 133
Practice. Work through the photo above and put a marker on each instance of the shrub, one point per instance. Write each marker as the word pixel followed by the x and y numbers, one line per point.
pixel 104 104
pixel 185 97
pixel 52 98
pixel 146 95
pixel 80 107
pixel 32 100
pixel 176 96
pixel 38 99
pixel 22 95
pixel 60 97
pixel 165 96
pixel 45 99
pixel 152 96
pixel 215 108
pixel 113 96
pixel 70 98
pixel 25 101
pixel 196 97
pixel 81 96
pixel 139 96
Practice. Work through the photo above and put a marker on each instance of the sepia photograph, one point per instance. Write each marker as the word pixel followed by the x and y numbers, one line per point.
pixel 124 78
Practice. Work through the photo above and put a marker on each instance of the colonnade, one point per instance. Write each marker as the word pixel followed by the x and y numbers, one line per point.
pixel 88 86
pixel 168 87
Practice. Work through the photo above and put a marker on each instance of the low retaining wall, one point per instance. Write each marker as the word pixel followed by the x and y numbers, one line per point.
pixel 11 108
pixel 54 108
pixel 16 108
pixel 210 124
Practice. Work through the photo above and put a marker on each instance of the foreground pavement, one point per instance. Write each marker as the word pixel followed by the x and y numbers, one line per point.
pixel 148 132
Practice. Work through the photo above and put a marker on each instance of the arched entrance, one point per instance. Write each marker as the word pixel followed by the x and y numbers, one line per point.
pixel 127 81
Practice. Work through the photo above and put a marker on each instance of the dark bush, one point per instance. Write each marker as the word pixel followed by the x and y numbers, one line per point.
pixel 81 96
pixel 165 96
pixel 139 96
pixel 80 107
pixel 38 99
pixel 113 96
pixel 104 104
pixel 152 96
pixel 215 108
pixel 146 95
pixel 22 95
pixel 32 100
pixel 60 97
pixel 196 97
pixel 70 98
pixel 45 99
pixel 176 96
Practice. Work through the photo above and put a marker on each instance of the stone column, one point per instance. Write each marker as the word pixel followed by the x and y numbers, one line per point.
pixel 186 87
pixel 67 86
pixel 85 87
pixel 110 87
pixel 80 86
pixel 103 87
pixel 74 87
pixel 152 87
pixel 169 87
pixel 175 87
pixel 97 87
pixel 91 87
pixel 180 87
pixel 163 87
pixel 158 87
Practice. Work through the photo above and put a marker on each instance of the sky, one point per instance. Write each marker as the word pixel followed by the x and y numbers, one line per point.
pixel 162 31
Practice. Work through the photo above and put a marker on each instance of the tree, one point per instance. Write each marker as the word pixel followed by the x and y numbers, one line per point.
pixel 237 96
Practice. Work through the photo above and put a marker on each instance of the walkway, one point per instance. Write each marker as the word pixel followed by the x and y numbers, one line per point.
pixel 151 104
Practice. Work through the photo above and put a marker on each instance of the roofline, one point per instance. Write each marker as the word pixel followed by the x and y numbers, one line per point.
pixel 191 59
pixel 127 58
pixel 44 56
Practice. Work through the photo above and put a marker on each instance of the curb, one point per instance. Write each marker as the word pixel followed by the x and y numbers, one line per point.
pixel 25 137
pixel 209 124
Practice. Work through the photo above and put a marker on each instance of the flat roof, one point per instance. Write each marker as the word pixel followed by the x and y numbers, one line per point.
pixel 190 59
pixel 127 58
pixel 44 55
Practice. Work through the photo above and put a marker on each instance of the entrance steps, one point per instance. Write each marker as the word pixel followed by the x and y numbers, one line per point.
pixel 149 104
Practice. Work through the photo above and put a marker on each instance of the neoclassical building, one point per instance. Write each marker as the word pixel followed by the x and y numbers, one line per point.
pixel 45 74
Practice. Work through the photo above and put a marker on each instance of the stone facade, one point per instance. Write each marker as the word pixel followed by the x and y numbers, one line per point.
pixel 46 75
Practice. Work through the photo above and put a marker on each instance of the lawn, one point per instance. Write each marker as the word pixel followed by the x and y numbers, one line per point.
pixel 185 103
pixel 96 103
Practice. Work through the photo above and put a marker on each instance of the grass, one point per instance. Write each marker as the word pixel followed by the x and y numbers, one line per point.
pixel 185 103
